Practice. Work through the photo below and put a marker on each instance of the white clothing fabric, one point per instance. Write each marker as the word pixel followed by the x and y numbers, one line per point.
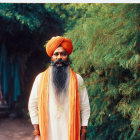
pixel 58 113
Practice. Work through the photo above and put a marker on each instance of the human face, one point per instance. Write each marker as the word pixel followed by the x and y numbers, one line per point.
pixel 59 53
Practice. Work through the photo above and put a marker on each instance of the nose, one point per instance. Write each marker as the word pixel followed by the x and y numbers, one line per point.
pixel 59 56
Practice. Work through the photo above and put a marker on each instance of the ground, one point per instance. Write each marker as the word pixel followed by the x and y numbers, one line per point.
pixel 17 129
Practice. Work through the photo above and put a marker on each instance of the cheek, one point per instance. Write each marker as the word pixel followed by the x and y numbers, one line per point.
pixel 65 58
pixel 53 59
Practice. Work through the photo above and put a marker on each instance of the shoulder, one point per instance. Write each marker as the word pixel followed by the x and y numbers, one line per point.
pixel 37 78
pixel 80 79
pixel 39 75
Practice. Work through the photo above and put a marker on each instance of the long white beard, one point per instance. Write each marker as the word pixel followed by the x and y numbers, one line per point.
pixel 62 96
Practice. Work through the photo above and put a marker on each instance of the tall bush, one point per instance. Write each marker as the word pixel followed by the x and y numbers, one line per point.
pixel 107 54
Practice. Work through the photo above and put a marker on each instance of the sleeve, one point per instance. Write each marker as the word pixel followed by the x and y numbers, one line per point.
pixel 33 101
pixel 84 101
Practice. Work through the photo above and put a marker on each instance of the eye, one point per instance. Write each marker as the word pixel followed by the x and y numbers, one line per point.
pixel 55 54
pixel 64 53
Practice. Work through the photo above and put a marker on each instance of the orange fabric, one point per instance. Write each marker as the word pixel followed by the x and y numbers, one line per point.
pixel 42 104
pixel 74 106
pixel 55 42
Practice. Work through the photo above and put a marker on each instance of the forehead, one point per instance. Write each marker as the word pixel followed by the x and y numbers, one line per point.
pixel 59 49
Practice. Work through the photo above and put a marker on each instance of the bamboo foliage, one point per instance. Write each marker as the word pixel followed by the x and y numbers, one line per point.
pixel 106 52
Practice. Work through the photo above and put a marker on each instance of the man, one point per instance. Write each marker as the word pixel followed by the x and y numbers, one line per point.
pixel 58 97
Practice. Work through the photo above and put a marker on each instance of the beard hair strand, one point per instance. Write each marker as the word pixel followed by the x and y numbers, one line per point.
pixel 60 81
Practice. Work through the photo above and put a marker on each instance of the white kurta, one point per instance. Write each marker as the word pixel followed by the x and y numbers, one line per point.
pixel 58 113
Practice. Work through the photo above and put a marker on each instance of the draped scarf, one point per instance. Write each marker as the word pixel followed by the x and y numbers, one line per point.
pixel 74 106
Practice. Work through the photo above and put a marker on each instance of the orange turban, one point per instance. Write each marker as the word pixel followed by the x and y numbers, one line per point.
pixel 57 41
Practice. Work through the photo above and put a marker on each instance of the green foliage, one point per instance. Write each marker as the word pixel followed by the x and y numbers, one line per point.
pixel 31 15
pixel 68 13
pixel 106 53
pixel 24 30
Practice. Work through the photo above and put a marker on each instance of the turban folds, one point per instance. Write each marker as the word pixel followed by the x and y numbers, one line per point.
pixel 55 42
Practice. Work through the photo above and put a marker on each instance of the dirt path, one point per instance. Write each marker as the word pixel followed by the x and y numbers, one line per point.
pixel 17 129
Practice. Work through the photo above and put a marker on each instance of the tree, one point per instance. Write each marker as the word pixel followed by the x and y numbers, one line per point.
pixel 24 30
pixel 106 53
pixel 69 13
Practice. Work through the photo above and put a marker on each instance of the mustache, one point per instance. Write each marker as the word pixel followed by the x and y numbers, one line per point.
pixel 64 63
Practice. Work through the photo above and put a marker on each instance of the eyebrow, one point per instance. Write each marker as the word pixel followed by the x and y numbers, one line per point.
pixel 64 52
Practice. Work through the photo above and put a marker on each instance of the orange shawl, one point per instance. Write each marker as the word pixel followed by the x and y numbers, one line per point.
pixel 74 106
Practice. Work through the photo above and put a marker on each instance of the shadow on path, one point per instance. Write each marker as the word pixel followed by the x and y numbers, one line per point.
pixel 17 129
